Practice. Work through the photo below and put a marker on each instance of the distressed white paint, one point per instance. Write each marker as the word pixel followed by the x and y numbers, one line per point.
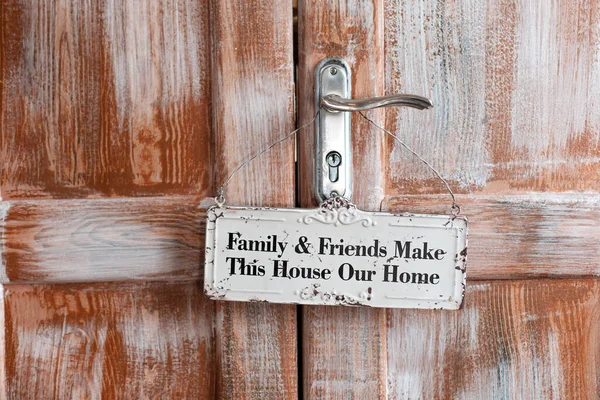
pixel 98 341
pixel 4 210
pixel 44 90
pixel 159 238
pixel 421 341
pixel 516 89
pixel 165 337
pixel 297 236
pixel 56 353
pixel 555 96
pixel 155 68
pixel 102 239
pixel 535 234
pixel 262 116
pixel 105 250
pixel 437 49
pixel 493 348
pixel 3 384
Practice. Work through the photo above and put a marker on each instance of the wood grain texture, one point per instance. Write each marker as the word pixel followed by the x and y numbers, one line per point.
pixel 344 352
pixel 253 106
pixel 343 348
pixel 352 30
pixel 532 339
pixel 516 88
pixel 100 240
pixel 3 388
pixel 91 240
pixel 522 236
pixel 516 119
pixel 125 341
pixel 104 98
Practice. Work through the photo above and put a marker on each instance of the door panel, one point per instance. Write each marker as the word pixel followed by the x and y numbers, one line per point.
pixel 354 336
pixel 515 130
pixel 527 339
pixel 515 85
pixel 507 130
pixel 105 98
pixel 118 121
pixel 253 103
pixel 111 340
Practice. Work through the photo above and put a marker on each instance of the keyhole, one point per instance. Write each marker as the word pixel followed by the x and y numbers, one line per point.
pixel 334 159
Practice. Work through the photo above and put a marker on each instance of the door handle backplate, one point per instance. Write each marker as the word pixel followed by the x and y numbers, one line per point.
pixel 333 131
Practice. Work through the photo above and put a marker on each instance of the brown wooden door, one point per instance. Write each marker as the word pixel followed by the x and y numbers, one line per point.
pixel 120 119
pixel 516 130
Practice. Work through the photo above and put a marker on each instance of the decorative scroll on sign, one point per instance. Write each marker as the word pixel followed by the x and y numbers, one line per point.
pixel 335 254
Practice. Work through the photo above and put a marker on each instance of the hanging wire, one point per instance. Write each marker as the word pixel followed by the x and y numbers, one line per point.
pixel 220 199
pixel 455 207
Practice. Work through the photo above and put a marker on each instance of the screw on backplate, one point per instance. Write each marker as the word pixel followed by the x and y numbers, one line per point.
pixel 333 70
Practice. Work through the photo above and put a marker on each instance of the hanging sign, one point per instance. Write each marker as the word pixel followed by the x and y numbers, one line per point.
pixel 335 255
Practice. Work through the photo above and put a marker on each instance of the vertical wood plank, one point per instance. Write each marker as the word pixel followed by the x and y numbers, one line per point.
pixel 529 339
pixel 3 382
pixel 109 341
pixel 554 146
pixel 505 77
pixel 253 103
pixel 104 98
pixel 353 30
pixel 437 49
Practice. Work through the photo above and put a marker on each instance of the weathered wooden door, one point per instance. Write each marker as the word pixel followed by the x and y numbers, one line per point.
pixel 119 120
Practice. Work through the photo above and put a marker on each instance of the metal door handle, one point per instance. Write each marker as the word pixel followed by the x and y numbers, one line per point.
pixel 333 129
pixel 334 102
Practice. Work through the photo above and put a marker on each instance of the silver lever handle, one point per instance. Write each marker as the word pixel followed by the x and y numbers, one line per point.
pixel 333 127
pixel 334 102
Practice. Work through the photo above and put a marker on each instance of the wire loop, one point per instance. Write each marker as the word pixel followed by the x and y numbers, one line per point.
pixel 263 151
pixel 455 209
pixel 220 198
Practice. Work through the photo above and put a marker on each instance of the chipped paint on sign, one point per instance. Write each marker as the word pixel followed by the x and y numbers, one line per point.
pixel 335 255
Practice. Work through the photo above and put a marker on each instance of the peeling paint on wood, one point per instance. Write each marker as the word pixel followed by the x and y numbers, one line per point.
pixel 436 49
pixel 3 386
pixel 110 99
pixel 533 339
pixel 523 236
pixel 346 342
pixel 253 106
pixel 109 341
pixel 515 87
pixel 105 98
pixel 512 236
pixel 85 240
pixel 4 210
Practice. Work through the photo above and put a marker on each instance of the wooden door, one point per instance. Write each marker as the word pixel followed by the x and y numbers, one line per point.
pixel 120 119
pixel 516 130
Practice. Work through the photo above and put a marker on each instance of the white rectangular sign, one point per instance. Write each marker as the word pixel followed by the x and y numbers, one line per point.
pixel 335 256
